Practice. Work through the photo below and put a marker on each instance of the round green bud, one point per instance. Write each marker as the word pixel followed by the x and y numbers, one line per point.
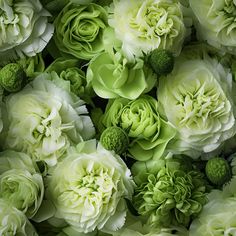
pixel 115 138
pixel 11 77
pixel 218 171
pixel 161 61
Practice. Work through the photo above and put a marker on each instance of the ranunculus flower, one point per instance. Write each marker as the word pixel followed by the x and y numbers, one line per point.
pixel 89 187
pixel 45 119
pixel 197 98
pixel 14 222
pixel 24 28
pixel 79 30
pixel 112 76
pixel 215 23
pixel 148 131
pixel 143 25
pixel 168 192
pixel 21 184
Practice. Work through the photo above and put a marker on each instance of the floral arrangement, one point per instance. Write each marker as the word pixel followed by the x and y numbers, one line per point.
pixel 117 117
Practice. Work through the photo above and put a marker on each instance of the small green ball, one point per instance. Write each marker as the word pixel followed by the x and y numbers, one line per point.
pixel 116 139
pixel 161 61
pixel 11 77
pixel 218 171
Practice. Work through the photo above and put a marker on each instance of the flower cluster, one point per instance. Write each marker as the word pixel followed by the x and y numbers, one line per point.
pixel 117 117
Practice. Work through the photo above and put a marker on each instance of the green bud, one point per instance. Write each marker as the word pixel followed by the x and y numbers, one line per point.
pixel 161 61
pixel 218 171
pixel 11 77
pixel 115 138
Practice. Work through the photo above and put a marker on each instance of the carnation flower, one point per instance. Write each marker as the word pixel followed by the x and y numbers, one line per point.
pixel 143 26
pixel 14 222
pixel 79 30
pixel 215 23
pixel 149 133
pixel 24 28
pixel 197 98
pixel 89 187
pixel 21 184
pixel 168 191
pixel 45 119
pixel 112 76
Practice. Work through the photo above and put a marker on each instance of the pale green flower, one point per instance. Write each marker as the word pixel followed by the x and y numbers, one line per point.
pixel 21 184
pixel 79 30
pixel 14 222
pixel 197 98
pixel 45 119
pixel 112 76
pixel 143 26
pixel 24 28
pixel 217 218
pixel 215 23
pixel 149 133
pixel 89 187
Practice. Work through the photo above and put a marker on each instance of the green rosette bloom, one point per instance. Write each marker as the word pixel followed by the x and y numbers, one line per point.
pixel 14 222
pixel 79 30
pixel 215 23
pixel 149 133
pixel 143 26
pixel 112 76
pixel 21 184
pixel 69 70
pixel 24 28
pixel 44 119
pixel 197 98
pixel 168 192
pixel 89 187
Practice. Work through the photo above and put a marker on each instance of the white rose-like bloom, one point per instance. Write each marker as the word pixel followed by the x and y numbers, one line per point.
pixel 89 187
pixel 197 98
pixel 144 25
pixel 24 28
pixel 44 120
pixel 216 22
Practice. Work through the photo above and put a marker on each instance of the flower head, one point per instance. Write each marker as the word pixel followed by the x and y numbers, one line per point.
pixel 24 28
pixel 44 119
pixel 168 191
pixel 143 26
pixel 89 186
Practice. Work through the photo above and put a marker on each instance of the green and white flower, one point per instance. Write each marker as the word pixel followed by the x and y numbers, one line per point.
pixel 24 28
pixel 45 119
pixel 197 98
pixel 89 187
pixel 143 26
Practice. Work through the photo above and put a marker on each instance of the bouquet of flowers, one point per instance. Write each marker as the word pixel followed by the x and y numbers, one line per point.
pixel 117 117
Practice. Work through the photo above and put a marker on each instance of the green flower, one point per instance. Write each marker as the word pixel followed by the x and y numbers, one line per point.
pixel 168 191
pixel 217 218
pixel 218 171
pixel 24 28
pixel 115 138
pixel 215 23
pixel 197 98
pixel 148 132
pixel 45 119
pixel 143 26
pixel 79 30
pixel 21 184
pixel 12 77
pixel 69 70
pixel 88 188
pixel 112 76
pixel 14 222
